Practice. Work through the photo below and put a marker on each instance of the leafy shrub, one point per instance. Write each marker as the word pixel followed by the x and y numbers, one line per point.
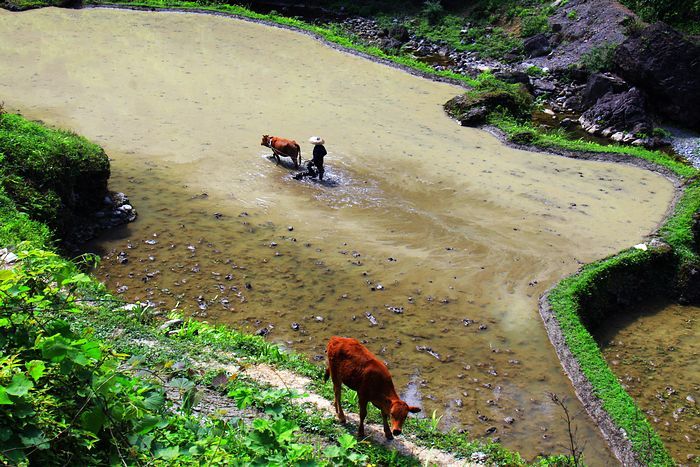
pixel 490 95
pixel 572 15
pixel 661 132
pixel 534 70
pixel 533 24
pixel 684 14
pixel 488 84
pixel 599 58
pixel 433 11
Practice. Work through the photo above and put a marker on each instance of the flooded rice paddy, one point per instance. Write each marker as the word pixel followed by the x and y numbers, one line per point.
pixel 655 352
pixel 428 241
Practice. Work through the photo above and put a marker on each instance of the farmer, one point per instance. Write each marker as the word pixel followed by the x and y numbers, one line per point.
pixel 316 161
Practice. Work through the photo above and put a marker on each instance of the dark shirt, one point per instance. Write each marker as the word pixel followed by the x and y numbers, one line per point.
pixel 319 152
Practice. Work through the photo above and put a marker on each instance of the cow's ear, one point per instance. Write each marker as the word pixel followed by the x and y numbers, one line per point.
pixel 413 409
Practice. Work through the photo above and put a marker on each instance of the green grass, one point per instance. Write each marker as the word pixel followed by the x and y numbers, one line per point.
pixel 677 230
pixel 524 132
pixel 55 175
pixel 195 340
pixel 16 226
pixel 584 299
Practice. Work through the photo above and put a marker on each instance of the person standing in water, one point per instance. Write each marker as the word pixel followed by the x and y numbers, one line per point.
pixel 318 155
pixel 317 160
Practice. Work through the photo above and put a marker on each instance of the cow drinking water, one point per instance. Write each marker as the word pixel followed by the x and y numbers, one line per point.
pixel 283 147
pixel 350 363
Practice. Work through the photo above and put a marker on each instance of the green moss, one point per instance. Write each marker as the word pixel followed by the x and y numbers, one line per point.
pixel 52 175
pixel 677 230
pixel 514 128
pixel 17 227
pixel 487 96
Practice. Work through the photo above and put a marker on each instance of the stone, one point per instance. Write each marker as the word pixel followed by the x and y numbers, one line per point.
pixel 170 324
pixel 544 85
pixel 666 65
pixel 10 258
pixel 600 84
pixel 626 112
pixel 617 136
pixel 567 123
pixel 537 45
pixel 474 116
pixel 515 77
pixel 398 32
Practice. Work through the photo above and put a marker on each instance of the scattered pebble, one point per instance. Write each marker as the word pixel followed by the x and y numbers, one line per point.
pixel 371 318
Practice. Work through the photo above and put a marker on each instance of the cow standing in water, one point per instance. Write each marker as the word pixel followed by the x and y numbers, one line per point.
pixel 350 363
pixel 283 146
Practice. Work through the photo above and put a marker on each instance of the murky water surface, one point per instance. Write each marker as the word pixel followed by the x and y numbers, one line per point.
pixel 429 241
pixel 655 352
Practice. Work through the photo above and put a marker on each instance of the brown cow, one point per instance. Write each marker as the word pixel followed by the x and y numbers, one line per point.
pixel 350 362
pixel 283 146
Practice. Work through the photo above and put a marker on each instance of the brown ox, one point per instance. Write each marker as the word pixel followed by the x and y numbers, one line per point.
pixel 350 362
pixel 283 147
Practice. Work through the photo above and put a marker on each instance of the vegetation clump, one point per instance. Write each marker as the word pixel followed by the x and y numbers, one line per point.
pixel 684 14
pixel 599 58
pixel 54 174
pixel 487 96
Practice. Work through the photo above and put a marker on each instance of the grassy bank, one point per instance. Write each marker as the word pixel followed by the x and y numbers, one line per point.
pixel 55 175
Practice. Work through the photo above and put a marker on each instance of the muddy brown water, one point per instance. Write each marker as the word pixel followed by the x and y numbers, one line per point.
pixel 655 352
pixel 428 241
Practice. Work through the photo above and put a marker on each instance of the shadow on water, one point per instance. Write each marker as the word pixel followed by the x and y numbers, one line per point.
pixel 654 351
pixel 624 318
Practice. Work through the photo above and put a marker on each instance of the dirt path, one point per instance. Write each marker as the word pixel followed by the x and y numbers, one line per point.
pixel 285 379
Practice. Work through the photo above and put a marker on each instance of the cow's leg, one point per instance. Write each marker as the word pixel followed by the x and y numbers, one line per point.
pixel 337 387
pixel 387 430
pixel 363 414
pixel 277 157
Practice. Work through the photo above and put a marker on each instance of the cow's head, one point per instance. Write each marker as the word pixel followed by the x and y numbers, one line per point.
pixel 399 411
pixel 265 140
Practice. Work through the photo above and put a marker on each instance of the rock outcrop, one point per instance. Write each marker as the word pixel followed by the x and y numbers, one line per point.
pixel 472 108
pixel 666 65
pixel 600 84
pixel 578 26
pixel 620 116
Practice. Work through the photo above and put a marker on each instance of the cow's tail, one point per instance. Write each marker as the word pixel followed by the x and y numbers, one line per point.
pixel 299 154
pixel 327 375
